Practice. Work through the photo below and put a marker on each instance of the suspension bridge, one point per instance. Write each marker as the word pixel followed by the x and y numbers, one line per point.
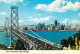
pixel 30 41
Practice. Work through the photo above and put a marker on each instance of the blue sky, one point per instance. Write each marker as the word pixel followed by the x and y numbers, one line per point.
pixel 42 11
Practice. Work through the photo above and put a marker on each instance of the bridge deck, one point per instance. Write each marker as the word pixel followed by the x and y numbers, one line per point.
pixel 33 40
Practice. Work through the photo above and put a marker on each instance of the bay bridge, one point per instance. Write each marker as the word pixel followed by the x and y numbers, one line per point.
pixel 30 41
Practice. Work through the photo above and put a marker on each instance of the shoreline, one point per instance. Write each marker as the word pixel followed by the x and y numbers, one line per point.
pixel 1 31
pixel 50 31
pixel 40 31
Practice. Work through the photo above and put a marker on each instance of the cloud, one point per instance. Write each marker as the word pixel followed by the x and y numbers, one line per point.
pixel 30 17
pixel 14 3
pixel 24 4
pixel 75 21
pixel 2 13
pixel 20 21
pixel 63 2
pixel 9 1
pixel 41 19
pixel 58 6
pixel 78 13
pixel 38 14
pixel 65 20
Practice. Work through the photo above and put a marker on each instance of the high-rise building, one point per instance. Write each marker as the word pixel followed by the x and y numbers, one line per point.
pixel 55 23
pixel 41 26
pixel 58 26
pixel 51 26
pixel 67 22
pixel 62 27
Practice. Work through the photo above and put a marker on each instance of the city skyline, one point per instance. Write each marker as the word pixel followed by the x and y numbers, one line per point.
pixel 37 11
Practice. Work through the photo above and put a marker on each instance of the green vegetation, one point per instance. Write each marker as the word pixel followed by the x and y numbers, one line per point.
pixel 66 42
pixel 71 40
pixel 19 45
pixel 48 48
pixel 3 47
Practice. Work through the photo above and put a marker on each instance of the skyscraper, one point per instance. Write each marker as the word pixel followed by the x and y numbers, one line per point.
pixel 58 26
pixel 67 22
pixel 55 23
pixel 62 27
pixel 41 26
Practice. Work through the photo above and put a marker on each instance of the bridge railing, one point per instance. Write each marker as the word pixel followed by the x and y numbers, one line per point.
pixel 22 36
pixel 26 36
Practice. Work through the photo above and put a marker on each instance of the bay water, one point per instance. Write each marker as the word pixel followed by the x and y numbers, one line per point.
pixel 53 36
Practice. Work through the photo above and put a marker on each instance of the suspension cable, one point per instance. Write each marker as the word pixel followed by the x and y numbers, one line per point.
pixel 40 36
pixel 26 38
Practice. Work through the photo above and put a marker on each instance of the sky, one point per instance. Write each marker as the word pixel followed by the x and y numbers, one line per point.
pixel 42 11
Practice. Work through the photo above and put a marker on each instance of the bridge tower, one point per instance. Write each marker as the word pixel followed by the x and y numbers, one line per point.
pixel 14 23
pixel 6 28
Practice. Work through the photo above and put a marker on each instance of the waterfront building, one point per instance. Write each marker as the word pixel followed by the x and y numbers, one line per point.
pixel 55 23
pixel 58 26
pixel 49 29
pixel 52 27
pixel 41 26
pixel 46 27
pixel 67 27
pixel 1 28
pixel 62 27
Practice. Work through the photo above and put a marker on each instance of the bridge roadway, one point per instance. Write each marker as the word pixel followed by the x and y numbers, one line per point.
pixel 33 41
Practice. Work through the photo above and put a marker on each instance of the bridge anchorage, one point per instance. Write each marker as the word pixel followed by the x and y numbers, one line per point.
pixel 30 42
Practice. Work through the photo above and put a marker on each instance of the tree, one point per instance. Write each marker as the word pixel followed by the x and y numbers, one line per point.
pixel 26 28
pixel 64 42
pixel 78 37
pixel 19 45
pixel 3 47
pixel 70 41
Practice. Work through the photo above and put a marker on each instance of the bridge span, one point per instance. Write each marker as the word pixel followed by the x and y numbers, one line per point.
pixel 30 42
